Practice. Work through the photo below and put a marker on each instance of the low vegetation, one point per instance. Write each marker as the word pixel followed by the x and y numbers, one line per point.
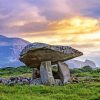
pixel 19 71
pixel 85 71
pixel 84 90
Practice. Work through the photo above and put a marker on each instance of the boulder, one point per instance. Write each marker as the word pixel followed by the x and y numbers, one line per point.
pixel 35 73
pixel 11 83
pixel 58 82
pixel 46 73
pixel 25 81
pixel 36 82
pixel 5 82
pixel 12 78
pixel 64 72
pixel 1 79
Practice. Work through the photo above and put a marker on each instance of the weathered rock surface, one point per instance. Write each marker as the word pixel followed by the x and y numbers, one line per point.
pixel 35 73
pixel 33 54
pixel 15 80
pixel 1 80
pixel 36 81
pixel 58 82
pixel 41 56
pixel 46 73
pixel 25 81
pixel 64 72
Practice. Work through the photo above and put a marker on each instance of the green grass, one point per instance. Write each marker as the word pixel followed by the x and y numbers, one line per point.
pixel 81 72
pixel 19 71
pixel 85 90
pixel 90 74
pixel 81 91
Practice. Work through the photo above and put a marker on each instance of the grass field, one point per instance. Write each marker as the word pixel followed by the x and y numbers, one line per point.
pixel 81 91
pixel 88 90
pixel 9 71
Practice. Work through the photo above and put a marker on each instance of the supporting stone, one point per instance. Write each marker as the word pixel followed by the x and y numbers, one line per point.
pixel 34 70
pixel 46 73
pixel 64 72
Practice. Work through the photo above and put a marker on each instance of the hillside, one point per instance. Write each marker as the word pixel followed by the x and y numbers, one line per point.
pixel 10 49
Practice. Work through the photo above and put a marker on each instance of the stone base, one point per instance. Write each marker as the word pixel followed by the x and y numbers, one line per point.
pixel 46 76
pixel 35 73
pixel 46 73
pixel 64 72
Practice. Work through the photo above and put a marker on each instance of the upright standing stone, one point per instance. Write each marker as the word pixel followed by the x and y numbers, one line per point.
pixel 46 73
pixel 34 73
pixel 64 72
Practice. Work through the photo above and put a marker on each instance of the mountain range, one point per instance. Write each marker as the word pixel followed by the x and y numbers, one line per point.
pixel 10 49
pixel 78 64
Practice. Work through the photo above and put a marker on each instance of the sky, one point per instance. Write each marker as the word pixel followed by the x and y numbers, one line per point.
pixel 74 23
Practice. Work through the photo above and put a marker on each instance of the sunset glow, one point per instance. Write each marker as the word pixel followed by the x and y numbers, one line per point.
pixel 62 22
pixel 77 25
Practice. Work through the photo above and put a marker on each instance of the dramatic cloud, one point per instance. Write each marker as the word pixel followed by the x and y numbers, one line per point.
pixel 56 9
pixel 68 22
pixel 17 13
pixel 76 25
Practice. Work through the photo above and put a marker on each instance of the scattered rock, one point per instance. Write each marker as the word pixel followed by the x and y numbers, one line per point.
pixel 1 80
pixel 11 83
pixel 74 80
pixel 20 80
pixel 36 82
pixel 58 82
pixel 25 81
pixel 5 82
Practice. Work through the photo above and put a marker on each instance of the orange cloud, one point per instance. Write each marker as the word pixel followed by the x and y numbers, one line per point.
pixel 80 32
pixel 76 25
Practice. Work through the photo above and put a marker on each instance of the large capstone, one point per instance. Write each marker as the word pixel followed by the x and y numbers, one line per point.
pixel 33 54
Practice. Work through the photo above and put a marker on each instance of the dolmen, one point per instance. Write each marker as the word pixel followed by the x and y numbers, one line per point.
pixel 43 57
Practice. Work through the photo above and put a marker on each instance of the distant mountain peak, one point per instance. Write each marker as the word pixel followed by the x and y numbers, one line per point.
pixel 79 64
pixel 1 36
pixel 10 49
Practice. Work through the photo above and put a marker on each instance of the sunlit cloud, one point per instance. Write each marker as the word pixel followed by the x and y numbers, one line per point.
pixel 75 23
pixel 73 31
